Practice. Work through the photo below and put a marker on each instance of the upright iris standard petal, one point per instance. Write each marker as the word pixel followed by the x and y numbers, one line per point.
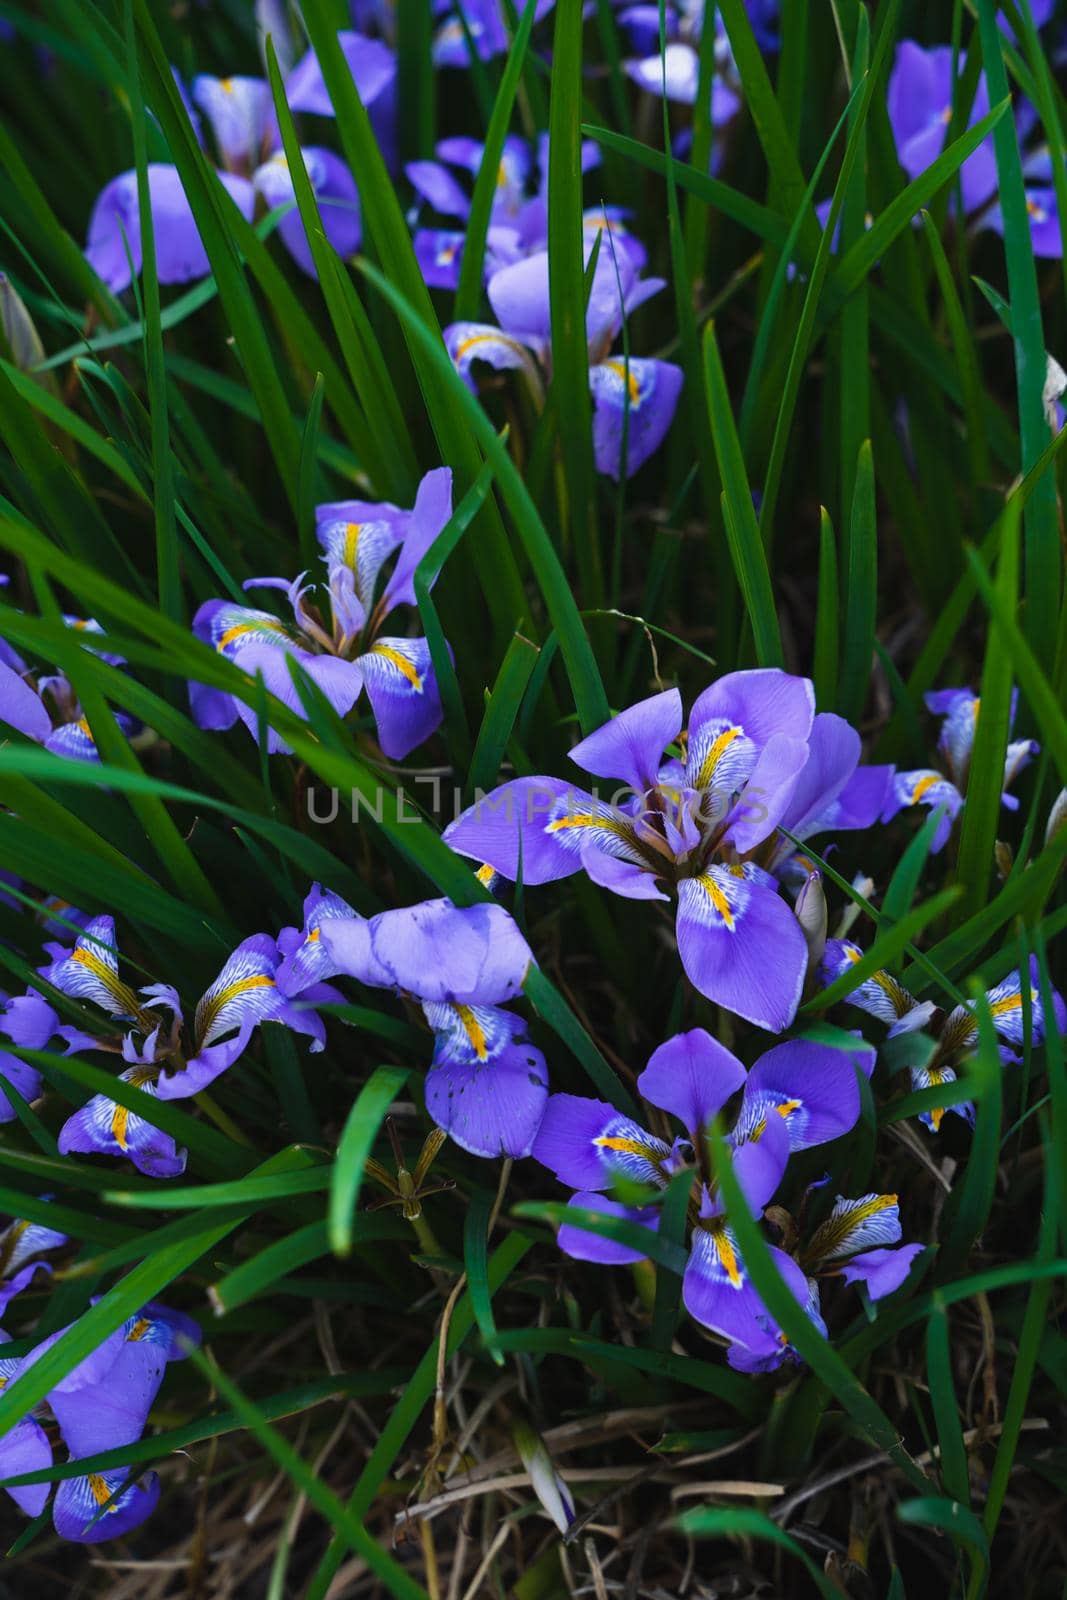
pixel 919 103
pixel 761 702
pixel 588 1144
pixel 634 401
pixel 584 1245
pixel 692 1076
pixel 307 959
pixel 428 518
pixel 241 113
pixel 402 688
pixel 630 747
pixel 487 1085
pixel 811 1087
pixel 741 946
pixel 371 63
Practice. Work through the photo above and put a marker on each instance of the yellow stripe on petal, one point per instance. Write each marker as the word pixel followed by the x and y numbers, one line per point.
pixel 924 785
pixel 629 1147
pixel 120 1118
pixel 474 1031
pixel 207 1018
pixel 718 900
pixel 406 668
pixel 99 1490
pixel 1010 1003
pixel 625 374
pixel 787 1107
pixel 239 629
pixel 718 749
pixel 727 1254
pixel 119 991
pixel 351 543
pixel 138 1331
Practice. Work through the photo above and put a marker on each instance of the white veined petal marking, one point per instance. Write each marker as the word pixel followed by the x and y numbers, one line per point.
pixel 724 898
pixel 363 547
pixel 401 660
pixel 854 1225
pixel 625 1148
pixel 101 979
pixel 721 757
pixel 577 820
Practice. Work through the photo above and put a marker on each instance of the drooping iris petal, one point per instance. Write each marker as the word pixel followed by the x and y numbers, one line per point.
pixel 21 1240
pixel 439 188
pixel 439 252
pixel 881 995
pixel 634 401
pixel 620 875
pixel 307 959
pixel 78 1510
pixel 473 955
pixel 692 1076
pixel 29 1022
pixel 487 1085
pixel 26 1449
pixel 468 342
pixel 535 826
pixel 859 804
pixel 338 202
pixel 925 787
pixel 115 227
pixel 718 1293
pixel 882 1271
pixel 811 1087
pixel 588 1144
pixel 630 747
pixel 1005 1003
pixel 103 1127
pixel 244 991
pixel 584 1245
pixel 933 1078
pixel 402 688
pixel 241 113
pixel 21 707
pixel 854 1225
pixel 741 946
pixel 90 971
pixel 340 681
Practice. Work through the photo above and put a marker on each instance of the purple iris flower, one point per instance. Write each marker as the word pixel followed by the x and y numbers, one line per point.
pixel 797 1095
pixel 926 786
pixel 373 67
pixel 758 760
pixel 518 221
pixel 29 1022
pixel 346 651
pixel 241 114
pixel 956 1032
pixel 675 71
pixel 46 709
pixel 487 1085
pixel 169 1063
pixel 635 398
pixel 19 1242
pixel 101 1405
pixel 113 249
pixel 485 22
pixel 920 109
pixel 857 1240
